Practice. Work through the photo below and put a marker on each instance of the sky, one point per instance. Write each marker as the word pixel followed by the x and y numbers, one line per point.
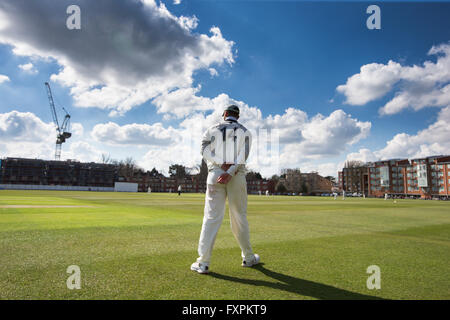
pixel 144 79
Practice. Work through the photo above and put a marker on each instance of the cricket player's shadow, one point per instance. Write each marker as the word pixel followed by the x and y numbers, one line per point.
pixel 299 286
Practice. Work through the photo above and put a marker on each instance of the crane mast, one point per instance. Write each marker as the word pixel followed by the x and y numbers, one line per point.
pixel 62 132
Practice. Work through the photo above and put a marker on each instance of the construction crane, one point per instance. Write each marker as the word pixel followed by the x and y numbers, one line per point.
pixel 62 132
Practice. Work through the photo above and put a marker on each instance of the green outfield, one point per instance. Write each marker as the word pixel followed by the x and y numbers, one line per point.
pixel 140 246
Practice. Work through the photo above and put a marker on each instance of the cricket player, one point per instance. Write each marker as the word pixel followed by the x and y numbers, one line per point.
pixel 225 149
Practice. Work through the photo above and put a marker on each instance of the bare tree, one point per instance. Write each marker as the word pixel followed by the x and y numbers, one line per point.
pixel 354 164
pixel 106 158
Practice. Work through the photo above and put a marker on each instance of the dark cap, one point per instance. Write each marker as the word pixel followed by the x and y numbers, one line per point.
pixel 232 108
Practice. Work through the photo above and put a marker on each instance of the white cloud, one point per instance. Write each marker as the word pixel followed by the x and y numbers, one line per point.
pixel 418 98
pixel 301 139
pixel 22 134
pixel 373 82
pixel 432 140
pixel 324 169
pixel 28 67
pixel 152 55
pixel 313 137
pixel 130 53
pixel 213 72
pixel 24 126
pixel 364 155
pixel 182 102
pixel 82 151
pixel 25 135
pixel 419 86
pixel 77 129
pixel 133 134
pixel 4 78
pixel 176 2
pixel 330 135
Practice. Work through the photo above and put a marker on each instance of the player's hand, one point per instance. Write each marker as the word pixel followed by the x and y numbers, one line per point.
pixel 224 178
pixel 225 166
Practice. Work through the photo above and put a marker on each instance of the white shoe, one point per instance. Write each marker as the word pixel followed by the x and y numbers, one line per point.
pixel 251 263
pixel 200 267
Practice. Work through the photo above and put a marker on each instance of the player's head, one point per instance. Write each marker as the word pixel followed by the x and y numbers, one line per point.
pixel 232 111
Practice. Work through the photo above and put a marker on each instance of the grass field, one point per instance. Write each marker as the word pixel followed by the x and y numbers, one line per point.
pixel 140 246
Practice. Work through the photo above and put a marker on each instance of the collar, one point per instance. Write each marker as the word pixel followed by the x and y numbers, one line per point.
pixel 230 118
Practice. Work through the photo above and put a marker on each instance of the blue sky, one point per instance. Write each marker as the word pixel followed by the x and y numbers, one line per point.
pixel 284 54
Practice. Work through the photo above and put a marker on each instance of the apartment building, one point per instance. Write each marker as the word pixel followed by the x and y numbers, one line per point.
pixel 424 178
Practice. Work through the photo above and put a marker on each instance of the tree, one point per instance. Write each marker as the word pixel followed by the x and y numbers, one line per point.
pixel 354 164
pixel 275 177
pixel 252 175
pixel 154 173
pixel 304 187
pixel 331 179
pixel 106 158
pixel 178 171
pixel 203 171
pixel 280 187
pixel 127 168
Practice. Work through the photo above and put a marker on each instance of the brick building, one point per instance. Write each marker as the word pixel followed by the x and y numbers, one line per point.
pixel 423 178
pixel 317 183
pixel 254 186
pixel 354 179
pixel 387 176
pixel 20 171
pixel 305 183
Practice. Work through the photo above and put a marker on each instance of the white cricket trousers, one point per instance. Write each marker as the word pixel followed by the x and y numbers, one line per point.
pixel 216 194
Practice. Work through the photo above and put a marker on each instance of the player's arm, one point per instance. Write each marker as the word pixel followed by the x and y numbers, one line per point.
pixel 207 141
